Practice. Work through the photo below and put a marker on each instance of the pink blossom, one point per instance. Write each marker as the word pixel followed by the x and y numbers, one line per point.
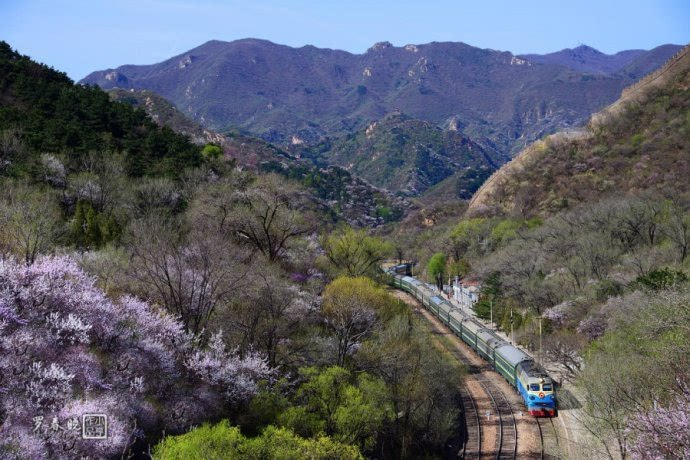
pixel 593 326
pixel 663 432
pixel 67 349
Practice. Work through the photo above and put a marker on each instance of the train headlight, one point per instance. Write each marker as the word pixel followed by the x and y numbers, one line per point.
pixel 531 397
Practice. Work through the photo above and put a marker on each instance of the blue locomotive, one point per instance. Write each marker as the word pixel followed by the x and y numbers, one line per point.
pixel 518 368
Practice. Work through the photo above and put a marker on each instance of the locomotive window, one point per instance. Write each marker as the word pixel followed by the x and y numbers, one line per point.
pixel 546 387
pixel 534 387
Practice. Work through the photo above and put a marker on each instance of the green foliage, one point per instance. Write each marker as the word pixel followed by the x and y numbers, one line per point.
pixel 459 268
pixel 410 156
pixel 264 410
pixel 505 230
pixel 482 308
pixel 211 152
pixel 637 139
pixel 467 236
pixel 222 441
pixel 422 387
pixel 437 268
pixel 336 184
pixel 607 288
pixel 354 253
pixel 331 400
pixel 360 292
pixel 491 297
pixel 91 229
pixel 57 116
pixel 664 278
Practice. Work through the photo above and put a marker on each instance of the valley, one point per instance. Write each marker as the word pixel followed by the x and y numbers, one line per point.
pixel 262 251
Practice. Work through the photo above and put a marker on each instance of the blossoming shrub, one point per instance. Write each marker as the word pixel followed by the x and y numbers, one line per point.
pixel 67 350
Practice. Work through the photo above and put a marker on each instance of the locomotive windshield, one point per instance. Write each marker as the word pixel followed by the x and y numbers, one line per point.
pixel 534 387
pixel 546 387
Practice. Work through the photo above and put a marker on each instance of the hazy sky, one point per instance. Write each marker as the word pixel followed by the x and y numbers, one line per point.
pixel 79 36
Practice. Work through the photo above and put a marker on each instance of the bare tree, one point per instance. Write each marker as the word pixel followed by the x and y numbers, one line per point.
pixel 190 273
pixel 267 215
pixel 677 228
pixel 11 146
pixel 350 307
pixel 565 348
pixel 269 313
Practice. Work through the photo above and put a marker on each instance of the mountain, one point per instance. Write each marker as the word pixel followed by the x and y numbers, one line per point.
pixel 302 95
pixel 648 62
pixel 629 63
pixel 408 156
pixel 344 195
pixel 639 143
pixel 246 150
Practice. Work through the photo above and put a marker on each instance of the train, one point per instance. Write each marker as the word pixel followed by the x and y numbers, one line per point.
pixel 520 370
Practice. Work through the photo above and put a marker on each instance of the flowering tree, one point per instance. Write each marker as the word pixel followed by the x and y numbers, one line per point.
pixel 663 432
pixel 68 350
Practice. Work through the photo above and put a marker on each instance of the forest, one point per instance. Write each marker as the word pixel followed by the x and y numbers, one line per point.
pixel 214 310
pixel 588 242
pixel 208 310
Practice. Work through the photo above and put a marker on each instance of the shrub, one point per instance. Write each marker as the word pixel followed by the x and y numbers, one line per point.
pixel 222 441
pixel 662 279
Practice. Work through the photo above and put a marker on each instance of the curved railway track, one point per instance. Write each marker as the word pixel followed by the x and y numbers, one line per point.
pixel 504 416
pixel 488 397
pixel 507 433
pixel 473 432
pixel 506 443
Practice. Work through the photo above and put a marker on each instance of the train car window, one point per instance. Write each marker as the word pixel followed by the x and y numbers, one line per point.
pixel 546 387
pixel 534 387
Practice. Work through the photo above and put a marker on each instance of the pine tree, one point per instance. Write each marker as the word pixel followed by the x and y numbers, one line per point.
pixel 93 228
pixel 79 225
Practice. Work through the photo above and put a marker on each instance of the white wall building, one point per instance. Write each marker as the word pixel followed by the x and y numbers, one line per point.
pixel 466 292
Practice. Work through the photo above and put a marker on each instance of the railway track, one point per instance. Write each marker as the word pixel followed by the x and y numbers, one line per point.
pixel 507 433
pixel 473 432
pixel 506 442
pixel 549 439
pixel 483 394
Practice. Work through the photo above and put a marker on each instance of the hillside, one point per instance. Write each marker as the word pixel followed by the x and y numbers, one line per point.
pixel 300 95
pixel 165 114
pixel 641 142
pixel 246 150
pixel 408 156
pixel 345 196
pixel 43 111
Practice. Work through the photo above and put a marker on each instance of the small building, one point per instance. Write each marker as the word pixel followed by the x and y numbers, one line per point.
pixel 466 292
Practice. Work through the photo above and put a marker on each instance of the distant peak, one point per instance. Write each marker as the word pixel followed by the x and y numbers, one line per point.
pixel 380 46
pixel 587 49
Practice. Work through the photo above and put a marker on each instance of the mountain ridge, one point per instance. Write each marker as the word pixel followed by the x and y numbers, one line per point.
pixel 612 153
pixel 302 95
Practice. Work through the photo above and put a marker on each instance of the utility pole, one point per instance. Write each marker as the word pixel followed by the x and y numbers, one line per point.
pixel 540 360
pixel 491 306
pixel 512 338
